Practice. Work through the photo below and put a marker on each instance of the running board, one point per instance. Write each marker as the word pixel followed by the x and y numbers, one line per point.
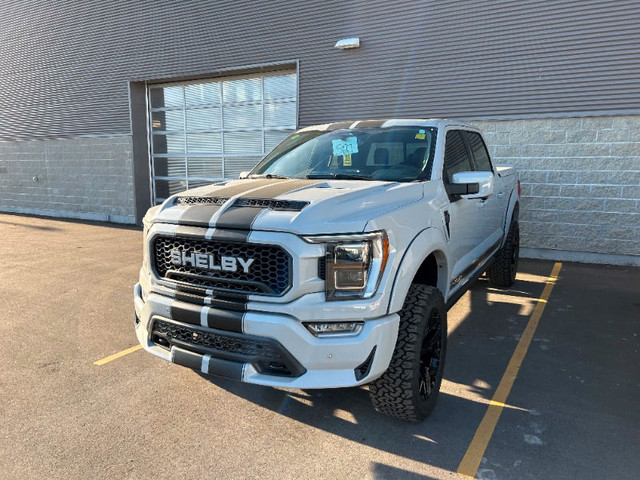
pixel 466 284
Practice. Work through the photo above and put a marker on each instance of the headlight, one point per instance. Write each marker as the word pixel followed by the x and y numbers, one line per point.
pixel 354 264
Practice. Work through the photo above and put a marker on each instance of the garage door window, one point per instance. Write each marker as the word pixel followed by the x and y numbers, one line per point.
pixel 206 131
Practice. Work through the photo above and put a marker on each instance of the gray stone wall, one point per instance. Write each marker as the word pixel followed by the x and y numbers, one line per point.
pixel 83 177
pixel 580 180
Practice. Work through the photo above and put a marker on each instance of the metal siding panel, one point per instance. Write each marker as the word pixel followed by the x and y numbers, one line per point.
pixel 66 66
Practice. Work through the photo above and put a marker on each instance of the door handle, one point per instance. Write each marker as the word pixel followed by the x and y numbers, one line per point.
pixel 500 194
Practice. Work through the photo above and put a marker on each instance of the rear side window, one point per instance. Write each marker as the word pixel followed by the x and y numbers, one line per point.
pixel 456 156
pixel 479 151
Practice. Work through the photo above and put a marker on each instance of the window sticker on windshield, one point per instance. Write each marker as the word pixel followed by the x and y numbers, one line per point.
pixel 346 162
pixel 421 135
pixel 345 147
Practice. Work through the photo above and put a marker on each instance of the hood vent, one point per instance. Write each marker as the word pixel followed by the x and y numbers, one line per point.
pixel 200 200
pixel 281 205
pixel 286 205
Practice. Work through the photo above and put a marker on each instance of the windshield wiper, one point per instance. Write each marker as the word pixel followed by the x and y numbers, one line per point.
pixel 339 176
pixel 268 175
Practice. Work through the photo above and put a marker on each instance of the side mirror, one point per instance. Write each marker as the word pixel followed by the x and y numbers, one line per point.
pixel 244 174
pixel 471 184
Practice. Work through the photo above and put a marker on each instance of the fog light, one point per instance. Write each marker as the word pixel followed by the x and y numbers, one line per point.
pixel 334 329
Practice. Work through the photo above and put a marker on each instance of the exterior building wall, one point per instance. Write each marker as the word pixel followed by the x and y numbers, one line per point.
pixel 73 113
pixel 66 67
pixel 83 177
pixel 580 180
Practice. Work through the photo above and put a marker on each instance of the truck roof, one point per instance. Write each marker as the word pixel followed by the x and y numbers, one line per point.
pixel 388 122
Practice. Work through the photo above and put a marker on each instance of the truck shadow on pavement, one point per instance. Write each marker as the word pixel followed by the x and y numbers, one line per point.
pixel 484 328
pixel 25 225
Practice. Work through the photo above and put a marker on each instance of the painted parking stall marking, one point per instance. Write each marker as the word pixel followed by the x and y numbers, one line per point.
pixel 472 458
pixel 115 356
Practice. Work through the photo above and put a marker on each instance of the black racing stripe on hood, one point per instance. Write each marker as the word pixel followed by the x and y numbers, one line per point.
pixel 241 186
pixel 198 214
pixel 242 217
pixel 272 192
pixel 202 214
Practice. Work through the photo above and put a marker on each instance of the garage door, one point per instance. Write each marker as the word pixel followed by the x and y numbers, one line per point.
pixel 209 130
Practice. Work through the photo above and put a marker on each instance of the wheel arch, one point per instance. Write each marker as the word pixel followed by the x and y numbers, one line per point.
pixel 424 262
pixel 513 212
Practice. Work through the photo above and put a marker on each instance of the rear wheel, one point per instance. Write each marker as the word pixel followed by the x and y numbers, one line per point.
pixel 408 390
pixel 502 272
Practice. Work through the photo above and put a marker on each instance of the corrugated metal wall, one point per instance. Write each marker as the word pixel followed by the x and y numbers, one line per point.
pixel 65 67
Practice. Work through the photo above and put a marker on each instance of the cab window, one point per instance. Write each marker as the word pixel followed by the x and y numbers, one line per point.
pixel 456 156
pixel 479 151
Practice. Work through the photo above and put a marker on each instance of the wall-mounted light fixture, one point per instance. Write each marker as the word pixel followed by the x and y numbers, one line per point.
pixel 345 43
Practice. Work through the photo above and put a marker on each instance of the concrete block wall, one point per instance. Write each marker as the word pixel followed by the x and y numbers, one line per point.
pixel 580 181
pixel 83 177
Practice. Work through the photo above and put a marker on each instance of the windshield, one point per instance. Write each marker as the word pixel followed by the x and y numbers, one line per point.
pixel 398 154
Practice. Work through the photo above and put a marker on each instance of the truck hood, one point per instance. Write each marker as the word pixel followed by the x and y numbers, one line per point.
pixel 287 205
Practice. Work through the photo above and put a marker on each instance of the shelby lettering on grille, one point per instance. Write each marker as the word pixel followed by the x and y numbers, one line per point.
pixel 226 266
pixel 210 262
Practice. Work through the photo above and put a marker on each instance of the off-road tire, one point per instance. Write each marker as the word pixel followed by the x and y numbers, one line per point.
pixel 502 272
pixel 402 391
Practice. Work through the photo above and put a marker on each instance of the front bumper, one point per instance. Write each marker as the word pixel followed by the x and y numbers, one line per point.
pixel 310 362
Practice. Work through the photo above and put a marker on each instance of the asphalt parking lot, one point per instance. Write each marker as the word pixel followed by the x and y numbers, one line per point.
pixel 66 302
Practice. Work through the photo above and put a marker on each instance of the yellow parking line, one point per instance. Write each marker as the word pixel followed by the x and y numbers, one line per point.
pixel 117 355
pixel 471 460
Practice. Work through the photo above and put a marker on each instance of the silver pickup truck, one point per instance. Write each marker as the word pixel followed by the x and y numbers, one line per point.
pixel 333 262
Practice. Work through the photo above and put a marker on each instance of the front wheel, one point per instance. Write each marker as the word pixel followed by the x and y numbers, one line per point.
pixel 408 390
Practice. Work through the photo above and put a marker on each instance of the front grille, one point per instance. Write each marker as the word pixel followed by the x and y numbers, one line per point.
pixel 269 274
pixel 266 355
pixel 217 341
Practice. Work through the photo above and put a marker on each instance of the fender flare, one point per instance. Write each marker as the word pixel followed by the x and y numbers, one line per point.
pixel 428 241
pixel 513 202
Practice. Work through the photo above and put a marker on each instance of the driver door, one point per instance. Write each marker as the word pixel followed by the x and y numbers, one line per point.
pixel 463 217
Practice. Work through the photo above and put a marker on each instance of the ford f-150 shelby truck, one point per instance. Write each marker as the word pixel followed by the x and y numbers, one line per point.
pixel 333 262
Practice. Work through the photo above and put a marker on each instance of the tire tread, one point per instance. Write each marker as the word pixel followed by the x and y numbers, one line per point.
pixel 393 393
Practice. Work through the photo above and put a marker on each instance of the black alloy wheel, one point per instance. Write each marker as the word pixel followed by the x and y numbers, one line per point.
pixel 430 351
